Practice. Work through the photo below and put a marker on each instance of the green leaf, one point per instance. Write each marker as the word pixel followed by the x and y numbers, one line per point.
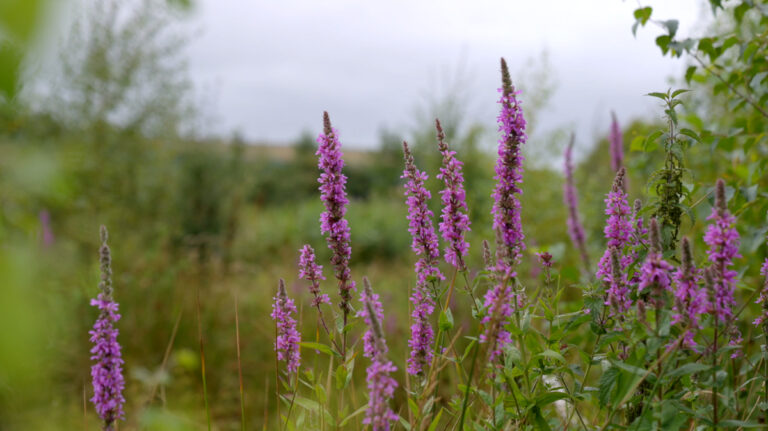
pixel 637 144
pixel 436 421
pixel 689 73
pixel 691 134
pixel 550 397
pixel 353 414
pixel 317 346
pixel 671 25
pixel 313 406
pixel 690 368
pixel 607 385
pixel 541 423
pixel 10 63
pixel 445 321
pixel 679 92
pixel 341 377
pixel 551 354
pixel 662 96
pixel 414 408
pixel 663 43
pixel 732 423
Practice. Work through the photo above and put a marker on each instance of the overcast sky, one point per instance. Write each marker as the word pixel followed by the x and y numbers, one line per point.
pixel 269 68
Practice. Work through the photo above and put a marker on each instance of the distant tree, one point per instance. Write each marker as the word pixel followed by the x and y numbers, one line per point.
pixel 122 66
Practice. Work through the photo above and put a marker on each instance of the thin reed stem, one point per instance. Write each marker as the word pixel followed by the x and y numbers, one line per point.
pixel 239 367
pixel 469 386
pixel 202 361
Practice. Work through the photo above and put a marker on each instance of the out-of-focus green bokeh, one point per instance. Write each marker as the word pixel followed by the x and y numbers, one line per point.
pixel 109 139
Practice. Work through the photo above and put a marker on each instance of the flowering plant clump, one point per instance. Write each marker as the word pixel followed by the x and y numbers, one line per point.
pixel 648 338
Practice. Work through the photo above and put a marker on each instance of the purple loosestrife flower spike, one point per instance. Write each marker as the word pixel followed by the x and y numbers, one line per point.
pixel 455 221
pixel 723 241
pixel 288 337
pixel 509 176
pixel 618 292
pixel 763 298
pixel 616 145
pixel 381 386
pixel 655 272
pixel 690 299
pixel 618 228
pixel 334 196
pixel 575 228
pixel 309 270
pixel 107 371
pixel 426 247
pixel 498 303
pixel 420 226
pixel 369 297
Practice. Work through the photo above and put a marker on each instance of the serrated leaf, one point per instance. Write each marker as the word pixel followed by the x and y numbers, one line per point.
pixel 607 385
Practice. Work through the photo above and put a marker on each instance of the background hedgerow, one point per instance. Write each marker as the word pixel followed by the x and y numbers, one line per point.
pixel 225 220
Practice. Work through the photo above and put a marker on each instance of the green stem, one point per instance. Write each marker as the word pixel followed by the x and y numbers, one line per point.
pixel 202 361
pixel 714 378
pixel 469 386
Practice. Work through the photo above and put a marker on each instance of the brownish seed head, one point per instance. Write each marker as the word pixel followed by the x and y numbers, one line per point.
pixel 409 165
pixel 641 311
pixel 281 292
pixel 655 236
pixel 618 181
pixel 378 333
pixel 105 263
pixel 720 201
pixel 440 136
pixel 687 255
pixel 487 253
pixel 637 206
pixel 709 280
pixel 327 130
pixel 506 81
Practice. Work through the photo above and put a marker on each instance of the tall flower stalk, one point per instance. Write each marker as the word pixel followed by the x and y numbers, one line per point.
pixel 288 337
pixel 309 270
pixel 690 299
pixel 723 241
pixel 107 371
pixel 575 228
pixel 425 245
pixel 655 273
pixel 332 222
pixel 381 386
pixel 502 300
pixel 509 176
pixel 455 221
pixel 618 229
